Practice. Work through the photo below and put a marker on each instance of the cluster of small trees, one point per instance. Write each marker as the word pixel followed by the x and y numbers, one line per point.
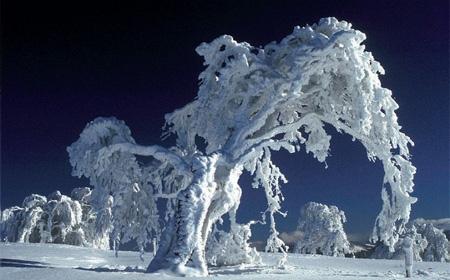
pixel 53 219
pixel 320 231
pixel 80 220
pixel 429 244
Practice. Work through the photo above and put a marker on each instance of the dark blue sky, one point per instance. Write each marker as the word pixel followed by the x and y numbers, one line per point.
pixel 64 65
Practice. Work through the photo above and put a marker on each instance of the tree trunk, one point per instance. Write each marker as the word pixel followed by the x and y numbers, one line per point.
pixel 212 193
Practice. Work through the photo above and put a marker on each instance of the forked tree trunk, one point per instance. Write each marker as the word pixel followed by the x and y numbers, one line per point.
pixel 212 193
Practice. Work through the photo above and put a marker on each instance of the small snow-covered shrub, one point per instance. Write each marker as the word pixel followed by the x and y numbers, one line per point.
pixel 322 229
pixel 231 248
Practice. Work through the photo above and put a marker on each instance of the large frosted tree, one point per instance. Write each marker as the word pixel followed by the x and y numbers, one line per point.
pixel 252 102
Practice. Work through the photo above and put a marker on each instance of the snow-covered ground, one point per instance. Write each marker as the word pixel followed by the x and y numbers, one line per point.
pixel 64 262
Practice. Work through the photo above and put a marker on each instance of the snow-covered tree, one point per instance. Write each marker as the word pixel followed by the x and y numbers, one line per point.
pixel 437 249
pixel 252 102
pixel 64 215
pixel 322 229
pixel 30 220
pixel 87 230
pixel 121 197
pixel 419 243
pixel 9 224
pixel 23 224
pixel 136 217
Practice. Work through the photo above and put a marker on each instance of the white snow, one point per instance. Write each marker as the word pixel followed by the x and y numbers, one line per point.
pixel 56 261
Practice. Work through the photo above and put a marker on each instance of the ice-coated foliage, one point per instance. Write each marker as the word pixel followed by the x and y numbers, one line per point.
pixel 231 248
pixel 429 244
pixel 251 102
pixel 322 229
pixel 53 219
pixel 438 245
pixel 419 243
pixel 442 224
pixel 122 200
pixel 9 224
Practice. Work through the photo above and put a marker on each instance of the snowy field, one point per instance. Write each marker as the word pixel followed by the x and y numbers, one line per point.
pixel 64 262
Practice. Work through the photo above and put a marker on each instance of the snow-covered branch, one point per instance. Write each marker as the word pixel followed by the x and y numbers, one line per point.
pixel 158 152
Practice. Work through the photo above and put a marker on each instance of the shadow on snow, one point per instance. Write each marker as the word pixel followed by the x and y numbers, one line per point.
pixel 23 263
pixel 215 271
pixel 111 269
